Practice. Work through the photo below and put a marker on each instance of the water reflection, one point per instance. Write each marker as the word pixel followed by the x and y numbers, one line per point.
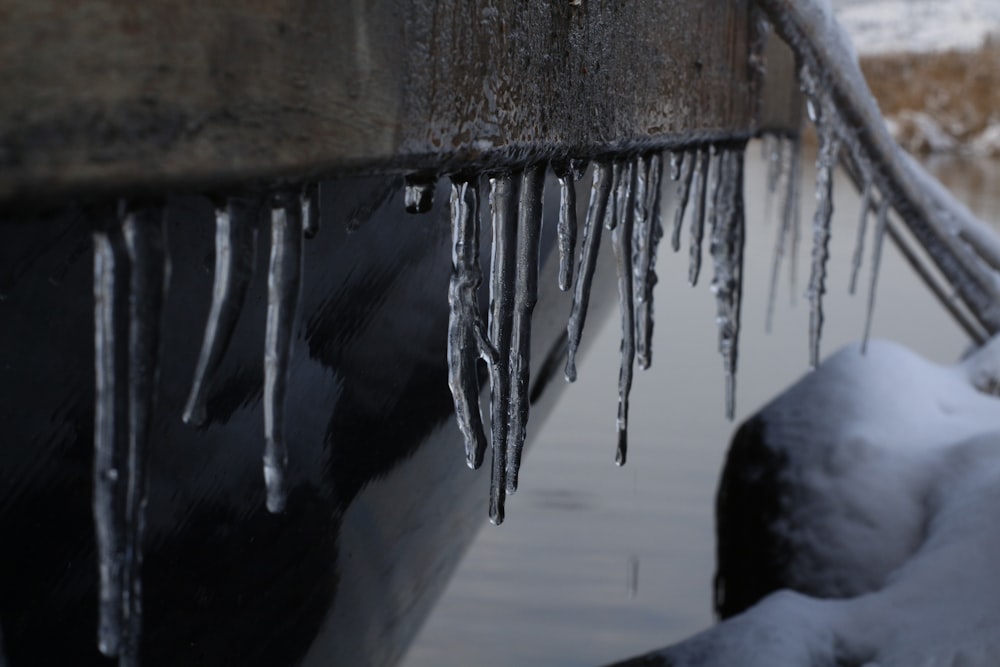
pixel 547 587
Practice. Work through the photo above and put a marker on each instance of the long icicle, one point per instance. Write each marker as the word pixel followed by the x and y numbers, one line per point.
pixel 699 211
pixel 464 318
pixel 788 228
pixel 859 245
pixel 283 285
pixel 503 194
pixel 143 231
pixel 826 161
pixel 529 224
pixel 600 195
pixel 235 256
pixel 111 296
pixel 881 220
pixel 621 241
pixel 654 232
pixel 566 229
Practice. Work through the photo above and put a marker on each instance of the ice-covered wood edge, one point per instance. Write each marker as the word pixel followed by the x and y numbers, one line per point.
pixel 116 98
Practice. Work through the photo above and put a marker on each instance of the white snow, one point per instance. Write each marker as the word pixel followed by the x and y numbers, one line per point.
pixel 894 477
pixel 891 26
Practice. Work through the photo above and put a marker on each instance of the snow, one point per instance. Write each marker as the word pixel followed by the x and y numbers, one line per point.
pixel 892 26
pixel 893 463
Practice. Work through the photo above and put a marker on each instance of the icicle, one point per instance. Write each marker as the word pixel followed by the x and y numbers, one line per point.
pixel 882 219
pixel 646 239
pixel 600 196
pixel 310 210
pixel 825 163
pixel 567 223
pixel 681 170
pixel 464 323
pixel 283 283
pixel 130 277
pixel 503 193
pixel 111 296
pixel 793 209
pixel 235 255
pixel 418 193
pixel 698 213
pixel 773 147
pixel 727 254
pixel 612 213
pixel 621 241
pixel 529 224
pixel 789 227
pixel 144 240
pixel 859 246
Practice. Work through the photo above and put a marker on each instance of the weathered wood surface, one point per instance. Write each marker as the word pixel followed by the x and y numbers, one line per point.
pixel 114 96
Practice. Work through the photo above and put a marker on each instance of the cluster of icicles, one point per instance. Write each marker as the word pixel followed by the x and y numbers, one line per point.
pixel 131 273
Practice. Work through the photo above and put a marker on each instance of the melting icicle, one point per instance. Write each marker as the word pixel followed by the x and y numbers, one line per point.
pixel 111 283
pixel 283 282
pixel 503 195
pixel 567 224
pixel 465 333
pixel 681 170
pixel 859 246
pixel 621 241
pixel 310 210
pixel 825 163
pixel 612 212
pixel 789 228
pixel 144 241
pixel 698 213
pixel 418 193
pixel 647 233
pixel 235 255
pixel 600 196
pixel 728 230
pixel 882 219
pixel 529 224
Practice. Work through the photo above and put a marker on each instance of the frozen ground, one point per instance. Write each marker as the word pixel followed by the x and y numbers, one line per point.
pixel 891 26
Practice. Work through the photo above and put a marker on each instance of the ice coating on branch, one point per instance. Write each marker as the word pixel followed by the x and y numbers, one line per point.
pixel 529 224
pixel 566 229
pixel 728 232
pixel 235 255
pixel 284 281
pixel 503 214
pixel 600 196
pixel 881 220
pixel 701 192
pixel 826 162
pixel 130 279
pixel 859 244
pixel 465 326
pixel 788 230
pixel 621 241
pixel 646 239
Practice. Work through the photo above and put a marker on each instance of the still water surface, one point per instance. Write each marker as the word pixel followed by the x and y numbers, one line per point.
pixel 596 563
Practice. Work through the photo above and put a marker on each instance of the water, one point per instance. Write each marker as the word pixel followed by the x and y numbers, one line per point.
pixel 598 563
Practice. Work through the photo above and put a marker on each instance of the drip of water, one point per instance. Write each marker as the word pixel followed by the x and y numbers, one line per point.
pixel 235 256
pixel 465 327
pixel 826 161
pixel 418 193
pixel 728 231
pixel 701 175
pixel 859 245
pixel 284 281
pixel 503 198
pixel 529 223
pixel 310 210
pixel 600 196
pixel 621 241
pixel 566 229
pixel 682 171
